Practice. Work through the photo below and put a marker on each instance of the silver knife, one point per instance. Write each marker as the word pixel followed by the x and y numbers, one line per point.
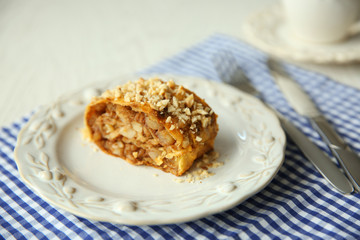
pixel 317 157
pixel 300 101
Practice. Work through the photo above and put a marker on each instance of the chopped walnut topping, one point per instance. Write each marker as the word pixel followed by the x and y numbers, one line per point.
pixel 106 94
pixel 171 109
pixel 175 102
pixel 195 119
pixel 171 84
pixel 187 111
pixel 205 122
pixel 189 101
pixel 117 93
pixel 168 98
pixel 138 97
pixel 168 120
pixel 181 90
pixel 127 97
pixel 202 112
pixel 162 104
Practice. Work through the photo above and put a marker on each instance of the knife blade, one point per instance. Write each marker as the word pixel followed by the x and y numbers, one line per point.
pixel 301 102
pixel 322 163
pixel 317 157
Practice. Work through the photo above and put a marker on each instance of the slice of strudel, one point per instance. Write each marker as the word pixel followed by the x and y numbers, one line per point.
pixel 152 122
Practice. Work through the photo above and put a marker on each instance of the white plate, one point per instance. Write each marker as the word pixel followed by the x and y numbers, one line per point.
pixel 53 160
pixel 268 30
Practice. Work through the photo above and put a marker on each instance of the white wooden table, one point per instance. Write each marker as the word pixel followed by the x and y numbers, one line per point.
pixel 48 48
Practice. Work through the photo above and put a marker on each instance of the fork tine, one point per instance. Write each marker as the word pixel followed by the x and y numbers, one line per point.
pixel 225 64
pixel 229 72
pixel 241 81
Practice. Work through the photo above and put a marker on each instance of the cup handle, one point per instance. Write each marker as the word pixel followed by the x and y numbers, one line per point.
pixel 354 29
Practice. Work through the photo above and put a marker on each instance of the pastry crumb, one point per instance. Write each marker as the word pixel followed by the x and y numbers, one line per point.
pixel 179 180
pixel 201 168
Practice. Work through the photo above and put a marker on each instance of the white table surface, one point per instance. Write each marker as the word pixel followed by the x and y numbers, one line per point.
pixel 49 48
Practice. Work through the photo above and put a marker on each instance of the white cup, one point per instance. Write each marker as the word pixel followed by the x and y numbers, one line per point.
pixel 322 21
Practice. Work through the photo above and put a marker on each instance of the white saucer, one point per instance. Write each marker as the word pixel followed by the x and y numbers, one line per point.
pixel 268 31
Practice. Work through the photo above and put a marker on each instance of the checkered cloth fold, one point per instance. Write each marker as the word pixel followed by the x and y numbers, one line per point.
pixel 297 204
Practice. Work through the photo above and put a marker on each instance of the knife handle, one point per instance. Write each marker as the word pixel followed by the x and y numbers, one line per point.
pixel 328 134
pixel 297 98
pixel 348 159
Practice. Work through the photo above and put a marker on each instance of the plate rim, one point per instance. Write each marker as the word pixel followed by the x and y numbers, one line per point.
pixel 158 221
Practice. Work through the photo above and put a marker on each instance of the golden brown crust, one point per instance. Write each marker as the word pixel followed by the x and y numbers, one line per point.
pixel 154 123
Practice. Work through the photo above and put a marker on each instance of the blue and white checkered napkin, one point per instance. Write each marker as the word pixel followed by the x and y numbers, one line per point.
pixel 297 204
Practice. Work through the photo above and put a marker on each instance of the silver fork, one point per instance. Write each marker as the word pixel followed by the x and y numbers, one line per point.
pixel 226 66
